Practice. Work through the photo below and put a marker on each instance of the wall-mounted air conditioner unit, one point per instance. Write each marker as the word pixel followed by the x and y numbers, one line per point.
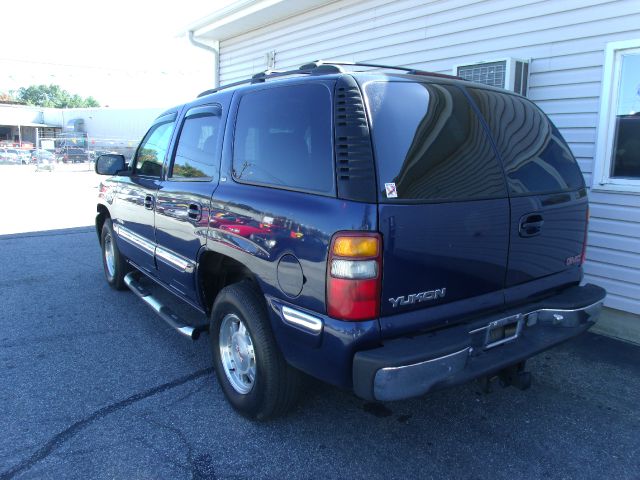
pixel 509 73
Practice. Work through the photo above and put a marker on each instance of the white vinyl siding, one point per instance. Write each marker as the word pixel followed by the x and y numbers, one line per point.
pixel 565 41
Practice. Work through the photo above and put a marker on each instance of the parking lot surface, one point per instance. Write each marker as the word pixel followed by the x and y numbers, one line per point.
pixel 94 385
pixel 39 201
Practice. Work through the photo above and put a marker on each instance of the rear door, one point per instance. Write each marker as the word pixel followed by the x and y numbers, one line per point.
pixel 443 205
pixel 184 197
pixel 547 191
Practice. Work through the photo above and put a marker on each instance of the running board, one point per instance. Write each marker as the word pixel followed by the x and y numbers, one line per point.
pixel 168 315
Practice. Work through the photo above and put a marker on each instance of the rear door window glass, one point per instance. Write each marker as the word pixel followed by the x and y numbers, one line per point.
pixel 535 156
pixel 195 156
pixel 283 138
pixel 430 145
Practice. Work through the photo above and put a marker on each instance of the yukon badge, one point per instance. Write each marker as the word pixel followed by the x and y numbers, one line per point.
pixel 418 297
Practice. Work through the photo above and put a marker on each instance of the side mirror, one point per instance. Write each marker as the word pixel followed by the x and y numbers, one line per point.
pixel 110 164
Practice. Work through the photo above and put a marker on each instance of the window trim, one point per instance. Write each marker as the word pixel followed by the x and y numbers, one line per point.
pixel 209 109
pixel 601 180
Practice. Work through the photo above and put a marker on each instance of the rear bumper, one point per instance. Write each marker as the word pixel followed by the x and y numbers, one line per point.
pixel 412 366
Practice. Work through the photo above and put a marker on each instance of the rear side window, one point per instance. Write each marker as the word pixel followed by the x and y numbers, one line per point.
pixel 535 156
pixel 430 145
pixel 283 139
pixel 195 156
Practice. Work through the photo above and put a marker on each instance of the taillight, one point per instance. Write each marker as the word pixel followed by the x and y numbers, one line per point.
pixel 583 256
pixel 354 274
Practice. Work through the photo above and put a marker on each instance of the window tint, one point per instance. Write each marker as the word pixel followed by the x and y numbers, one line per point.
pixel 536 158
pixel 195 153
pixel 283 138
pixel 430 144
pixel 152 150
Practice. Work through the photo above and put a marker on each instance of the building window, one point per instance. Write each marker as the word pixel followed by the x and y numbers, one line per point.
pixel 618 153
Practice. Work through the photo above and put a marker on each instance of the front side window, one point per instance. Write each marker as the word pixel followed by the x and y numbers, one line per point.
pixel 283 139
pixel 429 145
pixel 617 164
pixel 152 150
pixel 195 156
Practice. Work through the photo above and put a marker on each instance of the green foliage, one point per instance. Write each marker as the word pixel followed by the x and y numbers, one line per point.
pixel 53 96
pixel 9 97
pixel 187 171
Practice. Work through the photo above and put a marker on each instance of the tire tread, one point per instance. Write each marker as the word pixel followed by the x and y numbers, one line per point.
pixel 281 392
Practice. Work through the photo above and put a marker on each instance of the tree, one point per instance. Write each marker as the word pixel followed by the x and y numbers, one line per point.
pixel 9 98
pixel 53 96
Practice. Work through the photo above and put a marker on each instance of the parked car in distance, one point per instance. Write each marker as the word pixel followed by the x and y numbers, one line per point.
pixel 22 156
pixel 43 159
pixel 8 157
pixel 391 232
pixel 73 155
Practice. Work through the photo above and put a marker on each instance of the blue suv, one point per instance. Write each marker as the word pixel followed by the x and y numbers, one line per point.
pixel 389 231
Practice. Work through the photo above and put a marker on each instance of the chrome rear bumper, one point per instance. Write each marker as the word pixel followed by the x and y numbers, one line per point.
pixel 410 367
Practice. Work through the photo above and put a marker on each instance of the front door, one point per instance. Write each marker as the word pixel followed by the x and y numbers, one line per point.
pixel 136 196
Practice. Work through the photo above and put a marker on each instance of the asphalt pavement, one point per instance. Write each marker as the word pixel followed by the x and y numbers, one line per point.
pixel 94 385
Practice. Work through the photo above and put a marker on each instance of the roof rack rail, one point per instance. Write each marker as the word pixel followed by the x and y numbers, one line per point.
pixel 338 63
pixel 261 77
pixel 321 67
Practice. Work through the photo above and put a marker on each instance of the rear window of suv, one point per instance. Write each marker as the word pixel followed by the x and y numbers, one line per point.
pixel 535 156
pixel 430 145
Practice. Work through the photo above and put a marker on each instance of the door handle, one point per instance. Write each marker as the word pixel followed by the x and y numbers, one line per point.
pixel 194 211
pixel 148 202
pixel 530 225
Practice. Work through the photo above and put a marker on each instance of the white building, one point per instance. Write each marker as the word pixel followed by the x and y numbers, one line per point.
pixel 583 59
pixel 103 128
pixel 21 124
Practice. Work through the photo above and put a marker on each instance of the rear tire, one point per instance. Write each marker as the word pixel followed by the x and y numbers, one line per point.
pixel 253 374
pixel 115 266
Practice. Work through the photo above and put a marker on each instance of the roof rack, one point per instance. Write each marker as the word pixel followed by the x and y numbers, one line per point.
pixel 260 77
pixel 409 71
pixel 321 67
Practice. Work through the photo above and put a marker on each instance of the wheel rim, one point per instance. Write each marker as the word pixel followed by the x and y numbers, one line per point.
pixel 237 354
pixel 109 255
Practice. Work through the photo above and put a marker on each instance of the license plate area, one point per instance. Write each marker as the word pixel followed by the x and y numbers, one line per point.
pixel 503 330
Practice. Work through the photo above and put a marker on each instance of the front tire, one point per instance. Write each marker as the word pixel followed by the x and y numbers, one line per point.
pixel 115 266
pixel 252 372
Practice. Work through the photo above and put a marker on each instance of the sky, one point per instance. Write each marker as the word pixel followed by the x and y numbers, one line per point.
pixel 125 54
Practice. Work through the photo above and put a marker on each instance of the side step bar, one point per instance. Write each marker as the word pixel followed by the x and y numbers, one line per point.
pixel 168 315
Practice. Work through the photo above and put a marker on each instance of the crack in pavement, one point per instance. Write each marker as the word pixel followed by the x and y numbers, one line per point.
pixel 65 435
